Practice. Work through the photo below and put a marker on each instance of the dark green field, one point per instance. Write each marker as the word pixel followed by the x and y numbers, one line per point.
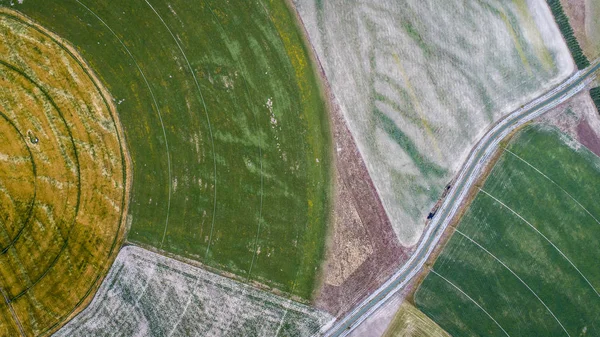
pixel 225 125
pixel 524 259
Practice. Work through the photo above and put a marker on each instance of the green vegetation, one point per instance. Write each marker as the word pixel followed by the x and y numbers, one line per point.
pixel 567 31
pixel 410 322
pixel 523 260
pixel 595 93
pixel 226 127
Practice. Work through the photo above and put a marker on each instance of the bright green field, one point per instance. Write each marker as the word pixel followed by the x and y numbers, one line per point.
pixel 524 259
pixel 225 125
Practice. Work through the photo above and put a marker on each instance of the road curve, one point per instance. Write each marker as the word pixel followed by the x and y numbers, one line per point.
pixel 469 173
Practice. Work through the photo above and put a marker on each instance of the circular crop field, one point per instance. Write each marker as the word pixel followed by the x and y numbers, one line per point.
pixel 63 179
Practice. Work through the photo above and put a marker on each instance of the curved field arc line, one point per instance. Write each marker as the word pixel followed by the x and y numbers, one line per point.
pixel 30 211
pixel 471 299
pixel 515 275
pixel 260 219
pixel 155 105
pixel 552 181
pixel 66 240
pixel 212 226
pixel 272 24
pixel 542 235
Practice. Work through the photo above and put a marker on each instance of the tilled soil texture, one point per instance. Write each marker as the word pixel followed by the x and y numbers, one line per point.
pixel 588 137
pixel 363 250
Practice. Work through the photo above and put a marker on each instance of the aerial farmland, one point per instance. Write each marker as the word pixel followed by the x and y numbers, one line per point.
pixel 299 168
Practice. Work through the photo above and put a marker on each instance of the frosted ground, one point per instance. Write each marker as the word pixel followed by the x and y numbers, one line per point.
pixel 146 294
pixel 419 81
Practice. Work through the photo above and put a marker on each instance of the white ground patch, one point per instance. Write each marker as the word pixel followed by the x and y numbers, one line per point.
pixel 419 81
pixel 147 294
pixel 377 324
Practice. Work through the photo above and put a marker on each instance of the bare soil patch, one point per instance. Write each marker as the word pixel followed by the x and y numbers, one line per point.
pixel 582 16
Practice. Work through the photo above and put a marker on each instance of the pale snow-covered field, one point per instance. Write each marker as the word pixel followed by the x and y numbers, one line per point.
pixel 147 294
pixel 419 81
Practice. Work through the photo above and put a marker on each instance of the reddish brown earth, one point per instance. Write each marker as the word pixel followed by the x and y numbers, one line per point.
pixel 587 137
pixel 576 11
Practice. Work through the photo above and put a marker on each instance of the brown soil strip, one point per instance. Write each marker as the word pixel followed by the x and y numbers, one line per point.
pixel 587 137
pixel 12 312
pixel 576 11
pixel 578 118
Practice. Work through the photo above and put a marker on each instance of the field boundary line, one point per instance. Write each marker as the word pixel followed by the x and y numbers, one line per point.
pixel 155 104
pixel 562 189
pixel 12 312
pixel 212 226
pixel 515 275
pixel 472 300
pixel 542 235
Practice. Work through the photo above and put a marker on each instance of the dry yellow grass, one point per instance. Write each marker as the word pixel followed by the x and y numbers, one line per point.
pixel 411 322
pixel 60 140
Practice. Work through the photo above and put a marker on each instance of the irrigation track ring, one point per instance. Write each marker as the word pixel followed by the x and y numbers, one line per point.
pixel 77 165
pixel 212 226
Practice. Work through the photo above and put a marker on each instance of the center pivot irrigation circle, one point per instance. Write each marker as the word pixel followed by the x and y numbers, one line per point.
pixel 64 177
